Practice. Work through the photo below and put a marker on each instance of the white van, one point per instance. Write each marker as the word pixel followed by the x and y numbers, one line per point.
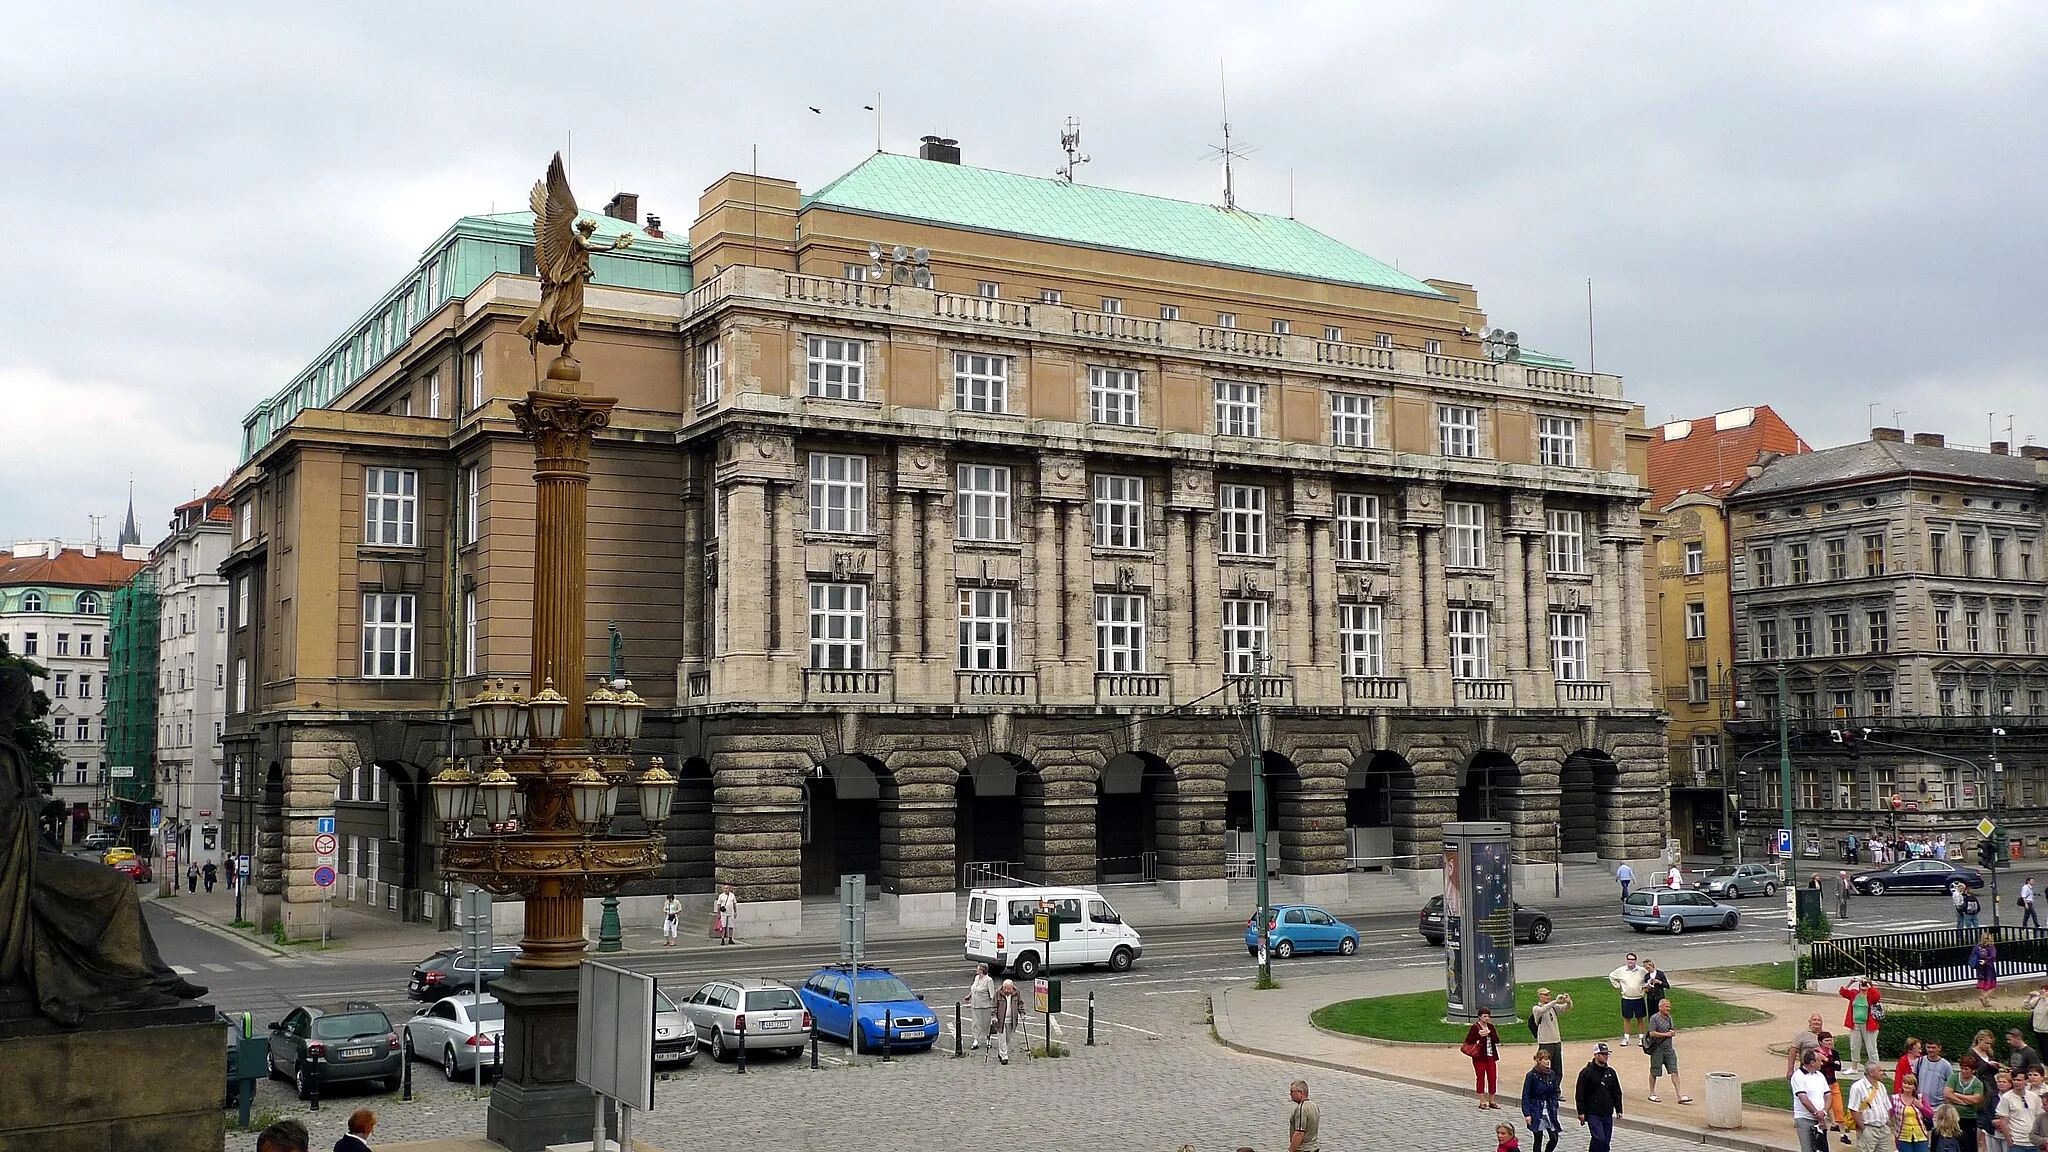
pixel 1000 923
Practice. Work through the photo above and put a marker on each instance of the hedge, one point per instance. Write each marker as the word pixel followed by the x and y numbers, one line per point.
pixel 1955 1030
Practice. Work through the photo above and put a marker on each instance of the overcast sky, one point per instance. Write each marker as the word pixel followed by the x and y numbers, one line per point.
pixel 1818 206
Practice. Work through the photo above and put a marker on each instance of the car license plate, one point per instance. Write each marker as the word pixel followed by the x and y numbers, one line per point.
pixel 667 1057
pixel 775 1025
pixel 354 1053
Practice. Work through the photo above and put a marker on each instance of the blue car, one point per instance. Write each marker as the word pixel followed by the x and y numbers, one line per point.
pixel 1301 928
pixel 883 997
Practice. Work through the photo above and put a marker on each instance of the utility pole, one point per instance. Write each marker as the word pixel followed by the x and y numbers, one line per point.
pixel 1248 694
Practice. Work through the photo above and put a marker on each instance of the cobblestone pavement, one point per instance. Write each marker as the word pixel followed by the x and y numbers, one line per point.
pixel 1156 1086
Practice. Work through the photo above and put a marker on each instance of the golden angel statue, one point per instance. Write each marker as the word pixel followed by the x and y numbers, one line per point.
pixel 561 255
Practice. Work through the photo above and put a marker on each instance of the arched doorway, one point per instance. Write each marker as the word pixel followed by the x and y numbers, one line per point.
pixel 688 866
pixel 1491 787
pixel 1378 786
pixel 1589 807
pixel 988 819
pixel 1282 785
pixel 408 829
pixel 842 826
pixel 1127 813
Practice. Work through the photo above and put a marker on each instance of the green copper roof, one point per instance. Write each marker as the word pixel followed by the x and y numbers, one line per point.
pixel 906 188
pixel 1535 359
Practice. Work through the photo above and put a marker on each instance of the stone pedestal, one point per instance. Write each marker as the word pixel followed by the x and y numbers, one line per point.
pixel 1330 888
pixel 104 1086
pixel 1197 895
pixel 537 1101
pixel 762 918
pixel 921 910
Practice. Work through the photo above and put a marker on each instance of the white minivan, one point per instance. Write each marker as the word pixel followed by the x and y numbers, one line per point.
pixel 1000 923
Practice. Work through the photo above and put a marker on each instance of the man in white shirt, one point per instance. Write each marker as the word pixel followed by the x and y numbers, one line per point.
pixel 1626 876
pixel 1809 1103
pixel 1870 1110
pixel 1629 979
pixel 2027 918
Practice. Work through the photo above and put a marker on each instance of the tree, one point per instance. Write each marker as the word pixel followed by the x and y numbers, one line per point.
pixel 38 746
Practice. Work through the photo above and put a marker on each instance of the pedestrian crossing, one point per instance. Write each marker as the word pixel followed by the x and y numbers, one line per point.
pixel 247 965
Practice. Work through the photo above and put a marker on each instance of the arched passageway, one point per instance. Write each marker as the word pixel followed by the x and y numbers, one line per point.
pixel 1590 819
pixel 1379 801
pixel 842 826
pixel 688 832
pixel 1283 788
pixel 1490 788
pixel 1127 816
pixel 988 817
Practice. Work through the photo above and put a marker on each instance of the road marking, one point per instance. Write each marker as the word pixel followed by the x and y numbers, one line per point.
pixel 216 968
pixel 181 970
pixel 1174 992
pixel 252 965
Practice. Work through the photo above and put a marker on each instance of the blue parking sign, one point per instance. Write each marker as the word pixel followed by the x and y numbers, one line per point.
pixel 1784 847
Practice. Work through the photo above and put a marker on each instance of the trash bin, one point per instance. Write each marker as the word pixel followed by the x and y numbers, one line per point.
pixel 1724 1100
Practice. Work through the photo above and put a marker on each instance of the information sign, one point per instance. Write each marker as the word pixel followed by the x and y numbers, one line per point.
pixel 1784 845
pixel 326 824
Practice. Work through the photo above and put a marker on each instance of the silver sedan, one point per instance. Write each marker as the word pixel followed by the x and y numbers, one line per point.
pixel 459 1031
pixel 773 1016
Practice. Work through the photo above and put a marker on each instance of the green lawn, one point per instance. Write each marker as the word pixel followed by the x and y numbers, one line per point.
pixel 1776 976
pixel 1596 1014
pixel 1768 1093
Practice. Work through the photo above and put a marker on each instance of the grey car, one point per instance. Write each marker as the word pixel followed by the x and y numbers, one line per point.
pixel 459 1031
pixel 774 1018
pixel 1674 910
pixel 675 1042
pixel 1738 880
pixel 353 1040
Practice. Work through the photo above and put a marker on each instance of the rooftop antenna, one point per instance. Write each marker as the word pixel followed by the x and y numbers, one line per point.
pixel 1870 413
pixel 1070 143
pixel 1290 193
pixel 1228 152
pixel 95 522
pixel 1590 361
pixel 876 108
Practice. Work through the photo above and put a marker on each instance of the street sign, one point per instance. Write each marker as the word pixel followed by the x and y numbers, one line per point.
pixel 242 865
pixel 853 918
pixel 323 844
pixel 156 819
pixel 122 772
pixel 326 824
pixel 1986 827
pixel 1784 845
pixel 324 877
pixel 1045 995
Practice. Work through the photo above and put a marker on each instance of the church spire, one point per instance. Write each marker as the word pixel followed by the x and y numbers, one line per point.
pixel 129 534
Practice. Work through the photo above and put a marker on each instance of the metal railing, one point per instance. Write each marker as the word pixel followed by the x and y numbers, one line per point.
pixel 1928 959
pixel 1142 868
pixel 990 874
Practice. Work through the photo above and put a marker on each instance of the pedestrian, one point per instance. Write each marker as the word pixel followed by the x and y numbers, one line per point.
pixel 1984 958
pixel 1629 979
pixel 1992 1124
pixel 1304 1122
pixel 1934 1073
pixel 2019 1057
pixel 1950 1133
pixel 1862 1019
pixel 2019 1111
pixel 1675 878
pixel 1504 1139
pixel 1597 1097
pixel 191 878
pixel 1482 1045
pixel 728 913
pixel 208 874
pixel 1006 1017
pixel 1803 1042
pixel 1955 899
pixel 2027 917
pixel 284 1136
pixel 1915 1119
pixel 1830 1067
pixel 1545 1016
pixel 361 1123
pixel 1540 1093
pixel 980 1000
pixel 1655 986
pixel 1660 1042
pixel 1626 876
pixel 1909 1060
pixel 1843 890
pixel 671 919
pixel 1972 907
pixel 1870 1111
pixel 1809 1102
pixel 1981 1046
pixel 1967 1094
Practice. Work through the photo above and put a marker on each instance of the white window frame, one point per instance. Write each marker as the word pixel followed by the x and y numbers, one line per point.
pixel 434 394
pixel 472 511
pixel 248 518
pixel 1358 527
pixel 1333 334
pixel 1470 635
pixel 1564 539
pixel 391 504
pixel 1120 632
pixel 1457 430
pixel 1557 441
pixel 982 503
pixel 469 632
pixel 389 630
pixel 476 380
pixel 838 625
pixel 1241 525
pixel 1113 305
pixel 1226 319
pixel 1568 646
pixel 835 368
pixel 1282 327
pixel 1464 534
pixel 241 601
pixel 1246 633
pixel 988 289
pixel 839 493
pixel 710 372
pixel 1113 396
pixel 1696 620
pixel 1695 557
pixel 981 382
pixel 1351 420
pixel 985 630
pixel 1238 408
pixel 1169 311
pixel 1119 511
pixel 1361 629
pixel 1051 296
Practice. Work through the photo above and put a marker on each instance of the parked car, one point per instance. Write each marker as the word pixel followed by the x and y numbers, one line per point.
pixel 1915 876
pixel 1301 928
pixel 1674 910
pixel 884 999
pixel 770 1012
pixel 117 853
pixel 1532 926
pixel 135 868
pixel 98 842
pixel 449 971
pixel 675 1042
pixel 350 1040
pixel 461 1030
pixel 1738 880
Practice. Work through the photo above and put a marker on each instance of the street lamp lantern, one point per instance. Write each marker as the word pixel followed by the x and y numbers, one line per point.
pixel 631 708
pixel 657 794
pixel 588 794
pixel 500 794
pixel 603 715
pixel 498 718
pixel 454 794
pixel 549 709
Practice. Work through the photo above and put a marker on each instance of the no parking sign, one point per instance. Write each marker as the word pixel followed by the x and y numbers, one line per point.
pixel 324 877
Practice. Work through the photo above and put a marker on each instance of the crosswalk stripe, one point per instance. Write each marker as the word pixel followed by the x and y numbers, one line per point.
pixel 252 965
pixel 181 970
pixel 216 968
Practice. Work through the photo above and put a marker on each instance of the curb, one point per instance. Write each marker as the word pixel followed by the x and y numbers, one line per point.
pixel 227 933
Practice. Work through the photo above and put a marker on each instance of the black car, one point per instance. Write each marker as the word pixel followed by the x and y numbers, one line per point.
pixel 1915 876
pixel 1531 925
pixel 336 1043
pixel 449 971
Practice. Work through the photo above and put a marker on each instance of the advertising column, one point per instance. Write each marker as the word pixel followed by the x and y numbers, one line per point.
pixel 1479 921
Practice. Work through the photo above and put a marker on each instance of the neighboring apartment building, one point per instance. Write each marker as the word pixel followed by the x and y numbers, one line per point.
pixel 1901 586
pixel 53 609
pixel 933 569
pixel 1694 466
pixel 191 674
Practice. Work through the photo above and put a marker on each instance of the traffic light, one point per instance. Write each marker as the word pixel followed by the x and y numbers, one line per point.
pixel 1987 852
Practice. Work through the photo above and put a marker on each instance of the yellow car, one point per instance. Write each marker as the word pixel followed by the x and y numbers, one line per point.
pixel 114 855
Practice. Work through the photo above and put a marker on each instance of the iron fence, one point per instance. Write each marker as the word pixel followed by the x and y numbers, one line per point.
pixel 1926 959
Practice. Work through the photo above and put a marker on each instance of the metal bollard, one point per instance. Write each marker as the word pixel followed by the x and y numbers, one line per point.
pixel 888 1026
pixel 1091 1019
pixel 742 1057
pixel 956 1031
pixel 405 1077
pixel 814 1046
pixel 498 1058
pixel 313 1082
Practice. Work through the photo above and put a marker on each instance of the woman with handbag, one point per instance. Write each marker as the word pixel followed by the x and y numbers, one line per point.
pixel 1984 958
pixel 1482 1046
pixel 1540 1092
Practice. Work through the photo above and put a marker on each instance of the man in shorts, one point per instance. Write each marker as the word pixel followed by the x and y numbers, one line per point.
pixel 1660 1042
pixel 1629 980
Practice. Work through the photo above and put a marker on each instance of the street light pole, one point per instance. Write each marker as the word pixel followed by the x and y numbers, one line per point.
pixel 1791 834
pixel 1248 694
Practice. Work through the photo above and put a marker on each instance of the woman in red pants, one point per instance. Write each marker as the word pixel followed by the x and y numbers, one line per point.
pixel 1482 1044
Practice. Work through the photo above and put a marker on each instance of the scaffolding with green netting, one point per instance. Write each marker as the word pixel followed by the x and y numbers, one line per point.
pixel 131 698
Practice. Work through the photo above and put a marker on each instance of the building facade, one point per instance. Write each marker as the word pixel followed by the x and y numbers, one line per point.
pixel 955 561
pixel 191 675
pixel 53 609
pixel 1899 586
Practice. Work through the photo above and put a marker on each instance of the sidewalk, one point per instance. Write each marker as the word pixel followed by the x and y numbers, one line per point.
pixel 1276 1024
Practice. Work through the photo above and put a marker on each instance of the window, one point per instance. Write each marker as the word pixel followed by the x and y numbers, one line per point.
pixel 248 519
pixel 988 289
pixel 981 383
pixel 64 643
pixel 1696 621
pixel 1457 430
pixel 1557 441
pixel 835 368
pixel 1237 408
pixel 1361 630
pixel 1350 420
pixel 242 685
pixel 1282 327
pixel 1358 528
pixel 1838 633
pixel 1049 296
pixel 85 642
pixel 710 372
pixel 1113 396
pixel 1119 512
pixel 1873 555
pixel 1465 529
pixel 1113 305
pixel 839 493
pixel 855 272
pixel 1695 558
pixel 387 635
pixel 1706 754
pixel 839 625
pixel 63 686
pixel 241 602
pixel 29 644
pixel 2030 632
pixel 1568 646
pixel 2001 631
pixel 1469 659
pixel 434 395
pixel 1244 636
pixel 1837 553
pixel 1119 633
pixel 1802 636
pixel 220 676
pixel 472 493
pixel 1433 347
pixel 1244 519
pixel 1937 552
pixel 476 380
pixel 2026 549
pixel 32 601
pixel 1760 567
pixel 1941 621
pixel 983 502
pixel 1998 557
pixel 1226 319
pixel 1795 557
pixel 1973 631
pixel 1383 339
pixel 1565 542
pixel 1877 630
pixel 390 507
pixel 1969 542
pixel 1880 701
pixel 1696 684
pixel 1333 333
pixel 1169 311
pixel 469 633
pixel 985 629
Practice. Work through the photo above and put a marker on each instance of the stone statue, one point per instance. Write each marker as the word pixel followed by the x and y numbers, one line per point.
pixel 561 257
pixel 71 933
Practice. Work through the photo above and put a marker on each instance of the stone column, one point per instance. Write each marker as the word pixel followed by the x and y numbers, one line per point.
pixel 1534 568
pixel 1059 813
pixel 1048 601
pixel 1418 832
pixel 1077 579
pixel 936 546
pixel 1191 820
pixel 1321 604
pixel 1634 658
pixel 1171 625
pixel 1611 601
pixel 1205 625
pixel 1311 818
pixel 906 575
pixel 745 584
pixel 1436 605
pixel 1296 635
pixel 757 828
pixel 694 542
pixel 1408 625
pixel 917 834
pixel 1514 595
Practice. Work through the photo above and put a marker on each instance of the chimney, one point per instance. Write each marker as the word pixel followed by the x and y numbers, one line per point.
pixel 2001 448
pixel 654 226
pixel 941 150
pixel 1889 435
pixel 2034 451
pixel 1764 459
pixel 624 206
pixel 1930 439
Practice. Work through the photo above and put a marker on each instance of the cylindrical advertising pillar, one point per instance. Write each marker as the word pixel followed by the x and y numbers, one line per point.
pixel 1479 920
